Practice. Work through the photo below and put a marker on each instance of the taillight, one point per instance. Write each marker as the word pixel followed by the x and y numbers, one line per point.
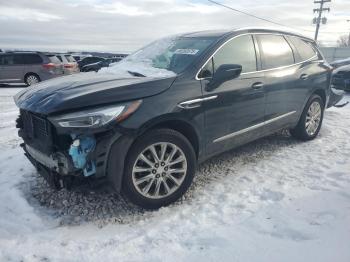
pixel 49 66
pixel 68 66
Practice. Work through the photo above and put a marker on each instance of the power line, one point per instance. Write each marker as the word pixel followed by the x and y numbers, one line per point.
pixel 263 19
pixel 257 17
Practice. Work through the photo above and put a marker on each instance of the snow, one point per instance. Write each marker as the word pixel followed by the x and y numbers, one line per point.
pixel 276 199
pixel 142 61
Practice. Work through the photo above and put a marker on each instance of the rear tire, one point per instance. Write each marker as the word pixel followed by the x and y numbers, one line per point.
pixel 310 122
pixel 31 79
pixel 166 173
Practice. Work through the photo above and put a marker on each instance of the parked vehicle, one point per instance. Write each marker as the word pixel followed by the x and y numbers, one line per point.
pixel 89 60
pixel 95 67
pixel 342 62
pixel 172 105
pixel 70 66
pixel 341 78
pixel 28 67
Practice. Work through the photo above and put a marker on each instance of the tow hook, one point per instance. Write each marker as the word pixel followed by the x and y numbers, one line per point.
pixel 79 151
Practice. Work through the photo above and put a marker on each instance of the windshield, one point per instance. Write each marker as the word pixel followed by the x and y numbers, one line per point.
pixel 164 57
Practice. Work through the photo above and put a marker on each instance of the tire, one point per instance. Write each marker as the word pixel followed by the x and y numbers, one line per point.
pixel 31 79
pixel 141 180
pixel 307 129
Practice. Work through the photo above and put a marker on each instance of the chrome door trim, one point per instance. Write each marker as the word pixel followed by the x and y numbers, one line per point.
pixel 245 130
pixel 258 71
pixel 195 102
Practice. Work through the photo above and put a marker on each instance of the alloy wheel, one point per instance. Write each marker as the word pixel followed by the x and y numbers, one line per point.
pixel 32 80
pixel 313 118
pixel 159 170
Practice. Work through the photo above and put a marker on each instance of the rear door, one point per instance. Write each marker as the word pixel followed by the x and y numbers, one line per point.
pixel 312 72
pixel 282 85
pixel 234 112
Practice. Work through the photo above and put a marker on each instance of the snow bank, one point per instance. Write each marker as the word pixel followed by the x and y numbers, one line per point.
pixel 276 199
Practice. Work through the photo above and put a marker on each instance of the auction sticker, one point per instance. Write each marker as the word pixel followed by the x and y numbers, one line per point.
pixel 186 51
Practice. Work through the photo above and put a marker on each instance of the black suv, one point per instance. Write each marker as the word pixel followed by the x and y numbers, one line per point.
pixel 146 122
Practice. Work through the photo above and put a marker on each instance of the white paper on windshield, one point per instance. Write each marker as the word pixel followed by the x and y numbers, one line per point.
pixel 186 51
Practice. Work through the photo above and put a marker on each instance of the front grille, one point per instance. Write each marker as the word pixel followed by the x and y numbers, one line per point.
pixel 35 127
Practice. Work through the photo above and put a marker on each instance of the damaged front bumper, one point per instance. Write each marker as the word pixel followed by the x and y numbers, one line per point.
pixel 61 157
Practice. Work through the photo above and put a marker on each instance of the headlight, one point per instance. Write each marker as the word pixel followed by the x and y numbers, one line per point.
pixel 96 117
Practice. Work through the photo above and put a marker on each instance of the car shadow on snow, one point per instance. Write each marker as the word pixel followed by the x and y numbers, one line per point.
pixel 101 206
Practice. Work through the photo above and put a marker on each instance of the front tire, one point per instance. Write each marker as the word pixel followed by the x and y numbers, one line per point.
pixel 160 167
pixel 310 122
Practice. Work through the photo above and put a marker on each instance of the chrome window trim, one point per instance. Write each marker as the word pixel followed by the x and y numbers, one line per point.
pixel 245 130
pixel 253 72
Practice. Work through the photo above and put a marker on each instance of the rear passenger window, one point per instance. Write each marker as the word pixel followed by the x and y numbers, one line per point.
pixel 304 49
pixel 276 51
pixel 18 59
pixel 31 59
pixel 239 51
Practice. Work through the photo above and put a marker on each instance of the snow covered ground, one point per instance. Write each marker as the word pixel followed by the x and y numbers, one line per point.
pixel 276 199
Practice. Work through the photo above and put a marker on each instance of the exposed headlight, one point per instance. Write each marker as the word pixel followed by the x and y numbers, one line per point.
pixel 96 117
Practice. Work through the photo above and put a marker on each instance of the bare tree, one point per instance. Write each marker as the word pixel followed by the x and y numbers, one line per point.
pixel 344 41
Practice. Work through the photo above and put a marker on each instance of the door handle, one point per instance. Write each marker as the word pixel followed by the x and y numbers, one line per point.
pixel 304 77
pixel 257 85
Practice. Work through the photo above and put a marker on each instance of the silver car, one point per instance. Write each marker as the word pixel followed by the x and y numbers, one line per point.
pixel 28 67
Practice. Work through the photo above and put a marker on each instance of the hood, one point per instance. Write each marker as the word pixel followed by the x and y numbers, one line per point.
pixel 87 89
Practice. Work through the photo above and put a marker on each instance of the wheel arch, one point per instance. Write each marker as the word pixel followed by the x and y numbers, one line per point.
pixel 180 125
pixel 322 94
pixel 115 169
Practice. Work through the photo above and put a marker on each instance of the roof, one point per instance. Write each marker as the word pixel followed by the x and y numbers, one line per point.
pixel 222 33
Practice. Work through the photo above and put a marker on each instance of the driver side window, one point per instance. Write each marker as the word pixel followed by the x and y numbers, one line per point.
pixel 240 50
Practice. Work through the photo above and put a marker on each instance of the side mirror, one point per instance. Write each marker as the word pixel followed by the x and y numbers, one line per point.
pixel 224 73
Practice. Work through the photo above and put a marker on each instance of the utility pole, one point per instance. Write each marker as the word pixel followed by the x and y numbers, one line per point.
pixel 318 20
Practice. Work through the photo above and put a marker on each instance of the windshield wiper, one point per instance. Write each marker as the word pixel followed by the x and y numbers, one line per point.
pixel 136 74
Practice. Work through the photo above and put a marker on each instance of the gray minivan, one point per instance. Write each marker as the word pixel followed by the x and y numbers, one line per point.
pixel 28 67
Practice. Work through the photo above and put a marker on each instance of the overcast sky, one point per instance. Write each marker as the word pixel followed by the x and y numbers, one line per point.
pixel 125 25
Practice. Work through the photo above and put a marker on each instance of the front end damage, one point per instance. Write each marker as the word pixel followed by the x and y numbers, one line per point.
pixel 64 159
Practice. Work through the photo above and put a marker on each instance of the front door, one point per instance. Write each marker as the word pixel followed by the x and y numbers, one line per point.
pixel 235 111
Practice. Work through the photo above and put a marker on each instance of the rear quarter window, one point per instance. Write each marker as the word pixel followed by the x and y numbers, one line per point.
pixel 54 59
pixel 304 49
pixel 70 58
pixel 60 58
